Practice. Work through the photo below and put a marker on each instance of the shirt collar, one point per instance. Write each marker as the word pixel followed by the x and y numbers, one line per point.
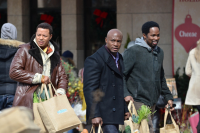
pixel 50 44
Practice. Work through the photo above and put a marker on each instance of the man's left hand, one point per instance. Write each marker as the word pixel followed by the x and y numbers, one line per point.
pixel 127 115
pixel 170 103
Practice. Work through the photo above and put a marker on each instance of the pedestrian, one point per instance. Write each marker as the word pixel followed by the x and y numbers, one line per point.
pixel 192 69
pixel 8 47
pixel 36 63
pixel 145 79
pixel 103 71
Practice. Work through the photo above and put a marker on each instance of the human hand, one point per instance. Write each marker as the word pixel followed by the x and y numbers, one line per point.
pixel 128 99
pixel 56 95
pixel 127 115
pixel 96 121
pixel 170 104
pixel 45 80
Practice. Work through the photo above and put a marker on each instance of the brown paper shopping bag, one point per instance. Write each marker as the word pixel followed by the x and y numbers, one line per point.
pixel 169 128
pixel 37 118
pixel 142 127
pixel 17 120
pixel 99 129
pixel 57 114
pixel 134 126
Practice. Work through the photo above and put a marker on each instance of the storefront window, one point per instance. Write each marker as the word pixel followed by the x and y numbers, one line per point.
pixel 46 11
pixel 100 17
pixel 3 12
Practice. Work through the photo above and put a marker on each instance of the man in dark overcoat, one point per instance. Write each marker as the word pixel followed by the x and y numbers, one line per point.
pixel 103 74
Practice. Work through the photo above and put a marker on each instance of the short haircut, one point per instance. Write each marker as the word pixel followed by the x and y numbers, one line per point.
pixel 45 26
pixel 146 26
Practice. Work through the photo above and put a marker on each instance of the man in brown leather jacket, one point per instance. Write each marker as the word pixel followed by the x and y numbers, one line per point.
pixel 35 63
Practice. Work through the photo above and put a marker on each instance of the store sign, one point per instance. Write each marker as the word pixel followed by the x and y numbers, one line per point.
pixel 186 30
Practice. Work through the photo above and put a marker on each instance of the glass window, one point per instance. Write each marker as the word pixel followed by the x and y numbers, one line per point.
pixel 3 12
pixel 100 17
pixel 46 11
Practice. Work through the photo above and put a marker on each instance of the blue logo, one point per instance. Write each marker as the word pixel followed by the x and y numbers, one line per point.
pixel 62 111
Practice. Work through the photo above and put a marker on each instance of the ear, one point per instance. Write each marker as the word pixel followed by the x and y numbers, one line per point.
pixel 106 40
pixel 144 36
pixel 51 36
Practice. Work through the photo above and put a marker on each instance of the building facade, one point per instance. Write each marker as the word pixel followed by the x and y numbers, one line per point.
pixel 81 25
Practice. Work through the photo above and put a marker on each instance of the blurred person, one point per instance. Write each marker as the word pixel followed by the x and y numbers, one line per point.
pixel 144 73
pixel 192 69
pixel 35 63
pixel 8 47
pixel 104 70
pixel 67 56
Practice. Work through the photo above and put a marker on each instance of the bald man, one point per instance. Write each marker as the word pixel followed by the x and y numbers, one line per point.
pixel 103 85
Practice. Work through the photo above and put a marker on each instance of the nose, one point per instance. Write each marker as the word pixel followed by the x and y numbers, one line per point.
pixel 41 37
pixel 115 43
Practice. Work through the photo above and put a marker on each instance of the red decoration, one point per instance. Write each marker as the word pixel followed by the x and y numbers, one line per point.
pixel 47 18
pixel 101 15
pixel 187 34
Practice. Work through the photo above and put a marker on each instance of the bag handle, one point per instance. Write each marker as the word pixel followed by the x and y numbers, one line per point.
pixel 99 129
pixel 131 108
pixel 53 89
pixel 165 118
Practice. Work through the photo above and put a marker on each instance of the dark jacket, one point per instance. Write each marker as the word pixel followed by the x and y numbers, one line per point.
pixel 26 63
pixel 8 48
pixel 145 79
pixel 100 72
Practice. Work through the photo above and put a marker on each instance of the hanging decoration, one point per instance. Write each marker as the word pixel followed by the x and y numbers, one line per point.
pixel 47 18
pixel 100 16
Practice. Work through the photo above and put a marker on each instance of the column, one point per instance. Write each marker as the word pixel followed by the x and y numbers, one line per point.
pixel 72 29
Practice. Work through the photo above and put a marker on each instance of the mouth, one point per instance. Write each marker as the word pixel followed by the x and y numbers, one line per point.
pixel 155 42
pixel 40 42
pixel 115 49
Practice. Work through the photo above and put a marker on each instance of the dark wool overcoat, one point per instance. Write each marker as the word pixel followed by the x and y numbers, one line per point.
pixel 101 72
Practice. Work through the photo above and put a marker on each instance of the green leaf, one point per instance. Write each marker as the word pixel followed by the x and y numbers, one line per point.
pixel 144 112
pixel 135 118
pixel 127 41
pixel 127 129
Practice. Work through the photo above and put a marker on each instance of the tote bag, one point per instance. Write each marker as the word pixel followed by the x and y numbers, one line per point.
pixel 17 120
pixel 37 118
pixel 57 114
pixel 142 127
pixel 194 119
pixel 169 128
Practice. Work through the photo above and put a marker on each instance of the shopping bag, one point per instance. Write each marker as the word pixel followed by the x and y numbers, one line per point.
pixel 169 128
pixel 135 127
pixel 57 114
pixel 17 120
pixel 99 129
pixel 37 119
pixel 194 119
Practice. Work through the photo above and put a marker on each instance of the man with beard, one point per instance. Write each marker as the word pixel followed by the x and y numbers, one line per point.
pixel 145 79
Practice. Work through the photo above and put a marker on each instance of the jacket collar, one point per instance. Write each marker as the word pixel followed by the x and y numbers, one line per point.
pixel 35 52
pixel 108 59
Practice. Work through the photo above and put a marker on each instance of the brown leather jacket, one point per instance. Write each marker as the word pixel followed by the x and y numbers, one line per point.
pixel 25 64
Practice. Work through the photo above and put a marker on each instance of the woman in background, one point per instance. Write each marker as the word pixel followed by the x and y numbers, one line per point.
pixel 193 70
